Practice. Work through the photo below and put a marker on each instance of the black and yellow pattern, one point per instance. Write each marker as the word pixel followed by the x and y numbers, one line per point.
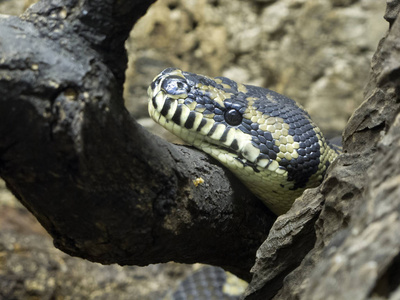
pixel 265 138
pixel 211 283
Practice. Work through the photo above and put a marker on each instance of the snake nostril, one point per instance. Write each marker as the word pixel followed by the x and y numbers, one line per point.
pixel 233 117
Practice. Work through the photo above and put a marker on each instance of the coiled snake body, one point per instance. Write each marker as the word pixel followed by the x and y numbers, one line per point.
pixel 267 140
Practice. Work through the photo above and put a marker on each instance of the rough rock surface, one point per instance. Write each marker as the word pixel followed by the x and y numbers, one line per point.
pixel 31 268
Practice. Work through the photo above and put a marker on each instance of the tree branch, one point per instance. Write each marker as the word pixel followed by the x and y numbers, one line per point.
pixel 102 186
pixel 101 25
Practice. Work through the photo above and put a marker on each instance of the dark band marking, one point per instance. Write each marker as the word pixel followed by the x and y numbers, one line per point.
pixel 235 145
pixel 201 125
pixel 190 120
pixel 154 84
pixel 177 115
pixel 212 130
pixel 166 107
pixel 153 100
pixel 224 135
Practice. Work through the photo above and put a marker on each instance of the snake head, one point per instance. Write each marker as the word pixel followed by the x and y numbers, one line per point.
pixel 202 112
pixel 265 138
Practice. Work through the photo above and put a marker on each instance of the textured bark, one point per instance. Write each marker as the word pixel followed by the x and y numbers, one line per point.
pixel 103 187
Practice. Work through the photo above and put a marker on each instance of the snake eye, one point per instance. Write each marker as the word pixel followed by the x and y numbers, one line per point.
pixel 233 117
pixel 175 85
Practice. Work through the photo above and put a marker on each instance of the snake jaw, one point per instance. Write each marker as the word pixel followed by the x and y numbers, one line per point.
pixel 199 135
pixel 266 139
pixel 189 119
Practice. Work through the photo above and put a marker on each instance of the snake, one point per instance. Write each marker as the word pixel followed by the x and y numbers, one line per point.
pixel 266 139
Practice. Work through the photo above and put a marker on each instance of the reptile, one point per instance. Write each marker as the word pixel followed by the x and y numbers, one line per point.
pixel 266 139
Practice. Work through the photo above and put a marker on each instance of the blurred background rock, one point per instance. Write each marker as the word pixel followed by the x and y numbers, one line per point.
pixel 316 52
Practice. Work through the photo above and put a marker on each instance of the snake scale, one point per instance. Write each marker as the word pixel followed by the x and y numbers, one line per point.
pixel 266 139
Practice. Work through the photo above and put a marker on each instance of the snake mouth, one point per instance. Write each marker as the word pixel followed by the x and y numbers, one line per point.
pixel 220 151
pixel 191 126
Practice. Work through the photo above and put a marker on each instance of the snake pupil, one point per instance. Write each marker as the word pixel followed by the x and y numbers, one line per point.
pixel 233 117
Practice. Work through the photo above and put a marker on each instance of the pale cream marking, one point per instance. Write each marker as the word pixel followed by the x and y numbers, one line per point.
pixel 206 128
pixel 171 110
pixel 184 114
pixel 250 152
